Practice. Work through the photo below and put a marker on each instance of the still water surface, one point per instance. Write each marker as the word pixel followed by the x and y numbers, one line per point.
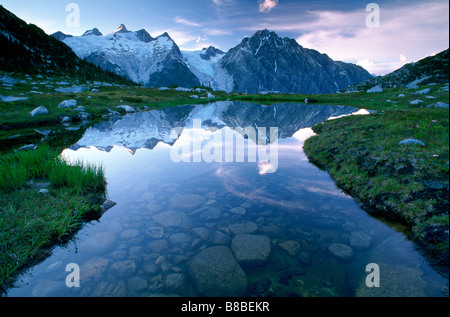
pixel 210 205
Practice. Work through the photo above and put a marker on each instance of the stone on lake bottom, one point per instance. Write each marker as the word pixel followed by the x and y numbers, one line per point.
pixel 341 251
pixel 216 273
pixel 251 249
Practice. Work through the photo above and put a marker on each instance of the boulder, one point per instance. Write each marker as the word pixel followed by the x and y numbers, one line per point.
pixel 171 218
pixel 411 142
pixel 341 251
pixel 244 227
pixel 360 240
pixel 185 202
pixel 375 89
pixel 216 273
pixel 423 91
pixel 68 104
pixel 291 247
pixel 127 108
pixel 250 249
pixel 416 102
pixel 441 105
pixel 99 243
pixel 39 111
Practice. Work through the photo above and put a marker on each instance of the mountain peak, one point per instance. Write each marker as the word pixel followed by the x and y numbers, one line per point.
pixel 210 52
pixel 94 31
pixel 144 36
pixel 122 29
pixel 265 33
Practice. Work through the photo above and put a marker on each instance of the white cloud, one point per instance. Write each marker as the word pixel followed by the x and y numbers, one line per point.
pixel 267 5
pixel 180 20
pixel 411 31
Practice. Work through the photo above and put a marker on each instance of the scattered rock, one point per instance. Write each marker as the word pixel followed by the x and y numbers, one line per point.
pixel 181 240
pixel 360 240
pixel 158 245
pixel 441 105
pixel 411 142
pixel 39 111
pixel 68 104
pixel 129 234
pixel 291 247
pixel 423 91
pixel 212 213
pixel 375 89
pixel 99 243
pixel 171 218
pixel 245 227
pixel 185 202
pixel 72 90
pixel 216 273
pixel 155 232
pixel 341 251
pixel 29 147
pixel 416 102
pixel 251 249
pixel 127 108
pixel 108 204
pixel 238 211
pixel 93 267
pixel 304 257
pixel 123 268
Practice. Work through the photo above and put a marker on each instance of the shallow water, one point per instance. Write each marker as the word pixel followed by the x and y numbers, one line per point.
pixel 286 228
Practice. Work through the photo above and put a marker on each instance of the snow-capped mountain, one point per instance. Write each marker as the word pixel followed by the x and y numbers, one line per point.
pixel 264 62
pixel 136 55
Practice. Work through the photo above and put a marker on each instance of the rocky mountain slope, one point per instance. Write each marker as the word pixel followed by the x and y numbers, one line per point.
pixel 267 62
pixel 432 69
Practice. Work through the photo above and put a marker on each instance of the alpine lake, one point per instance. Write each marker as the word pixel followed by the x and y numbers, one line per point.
pixel 221 200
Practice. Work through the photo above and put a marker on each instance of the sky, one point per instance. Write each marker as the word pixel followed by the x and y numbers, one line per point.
pixel 380 36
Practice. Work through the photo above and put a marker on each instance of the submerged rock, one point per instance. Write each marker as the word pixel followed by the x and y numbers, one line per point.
pixel 291 247
pixel 341 251
pixel 251 249
pixel 216 273
pixel 360 240
pixel 171 218
pixel 185 202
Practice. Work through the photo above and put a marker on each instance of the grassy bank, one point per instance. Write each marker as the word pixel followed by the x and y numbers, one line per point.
pixel 407 182
pixel 43 200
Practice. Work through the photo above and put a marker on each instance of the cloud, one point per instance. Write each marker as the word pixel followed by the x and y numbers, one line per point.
pixel 180 20
pixel 221 3
pixel 267 5
pixel 405 34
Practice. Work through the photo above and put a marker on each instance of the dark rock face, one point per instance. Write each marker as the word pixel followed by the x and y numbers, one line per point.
pixel 266 62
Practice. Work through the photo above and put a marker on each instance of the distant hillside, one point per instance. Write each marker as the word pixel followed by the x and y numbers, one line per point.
pixel 25 48
pixel 433 69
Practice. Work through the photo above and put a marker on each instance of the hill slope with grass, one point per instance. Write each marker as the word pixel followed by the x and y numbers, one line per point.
pixel 432 69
